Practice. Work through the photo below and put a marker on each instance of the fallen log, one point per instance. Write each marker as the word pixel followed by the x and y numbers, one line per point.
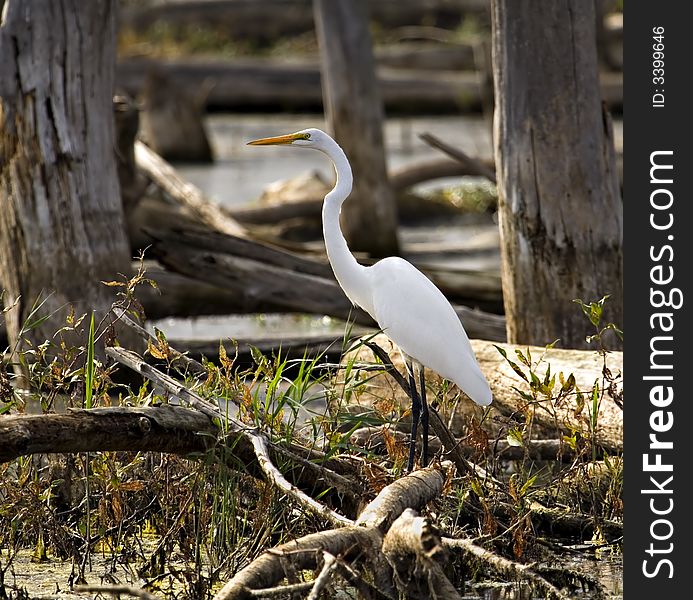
pixel 253 281
pixel 267 84
pixel 587 367
pixel 508 569
pixel 391 543
pixel 177 247
pixel 563 417
pixel 264 22
pixel 166 428
pixel 362 542
pixel 176 295
pixel 453 56
pixel 186 194
pixel 172 429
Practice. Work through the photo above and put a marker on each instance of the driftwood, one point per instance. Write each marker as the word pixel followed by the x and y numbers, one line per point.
pixel 166 428
pixel 361 542
pixel 266 83
pixel 391 541
pixel 506 568
pixel 587 368
pixel 180 296
pixel 167 178
pixel 474 166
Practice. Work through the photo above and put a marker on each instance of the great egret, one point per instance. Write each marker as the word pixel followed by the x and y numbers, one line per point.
pixel 407 306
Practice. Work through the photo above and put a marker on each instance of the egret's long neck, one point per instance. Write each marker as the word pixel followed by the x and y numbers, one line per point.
pixel 350 274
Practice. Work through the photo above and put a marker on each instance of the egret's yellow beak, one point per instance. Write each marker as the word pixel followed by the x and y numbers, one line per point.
pixel 280 139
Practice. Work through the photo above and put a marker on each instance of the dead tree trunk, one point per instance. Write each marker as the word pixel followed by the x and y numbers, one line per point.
pixel 561 215
pixel 61 217
pixel 354 111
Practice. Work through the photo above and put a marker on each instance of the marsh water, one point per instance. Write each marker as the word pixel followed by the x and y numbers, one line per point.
pixel 49 579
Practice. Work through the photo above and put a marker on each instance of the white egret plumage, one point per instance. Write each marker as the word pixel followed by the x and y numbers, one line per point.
pixel 407 306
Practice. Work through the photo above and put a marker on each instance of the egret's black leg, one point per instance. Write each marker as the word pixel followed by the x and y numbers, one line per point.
pixel 415 416
pixel 424 417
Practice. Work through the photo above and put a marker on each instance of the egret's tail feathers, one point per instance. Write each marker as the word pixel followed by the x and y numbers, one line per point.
pixel 474 384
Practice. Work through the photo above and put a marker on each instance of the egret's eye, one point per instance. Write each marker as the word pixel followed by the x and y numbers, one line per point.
pixel 306 136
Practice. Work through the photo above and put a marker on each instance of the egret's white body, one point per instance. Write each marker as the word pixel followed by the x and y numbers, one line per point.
pixel 407 306
pixel 421 322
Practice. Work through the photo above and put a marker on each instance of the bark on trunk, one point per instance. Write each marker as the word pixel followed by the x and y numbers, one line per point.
pixel 354 111
pixel 61 218
pixel 561 215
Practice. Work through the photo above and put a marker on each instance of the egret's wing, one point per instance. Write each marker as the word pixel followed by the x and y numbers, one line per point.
pixel 417 317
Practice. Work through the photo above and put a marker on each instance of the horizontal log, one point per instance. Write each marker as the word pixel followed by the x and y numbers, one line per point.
pixel 267 20
pixel 268 83
pixel 171 429
pixel 295 346
pixel 176 295
pixel 252 280
pixel 208 249
pixel 166 428
pixel 427 56
pixel 585 365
